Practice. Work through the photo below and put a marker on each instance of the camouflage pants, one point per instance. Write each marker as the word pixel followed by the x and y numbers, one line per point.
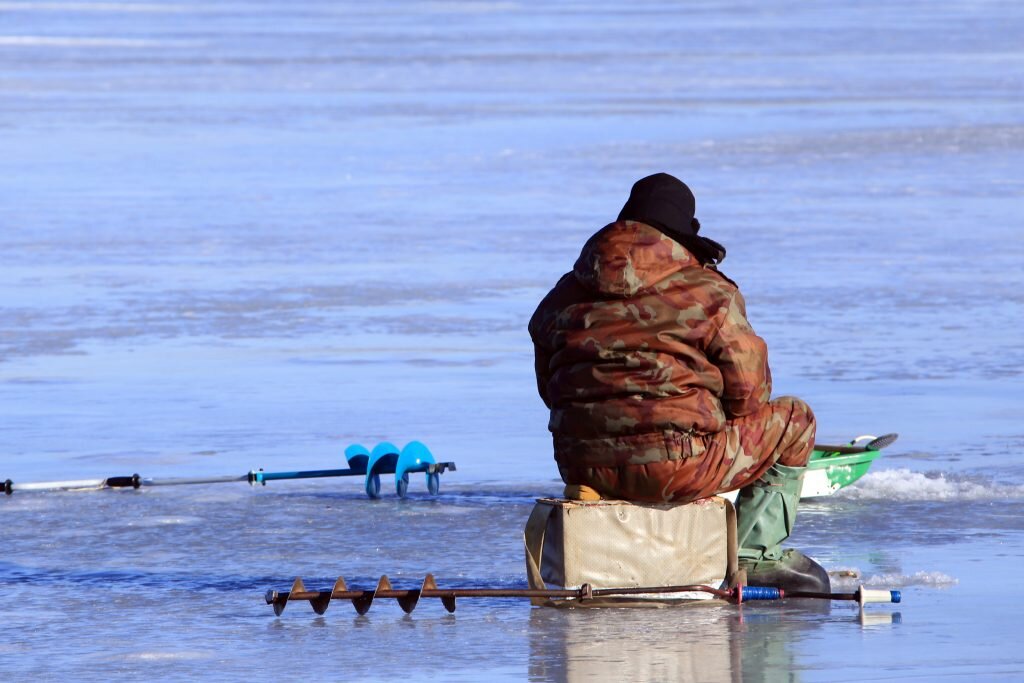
pixel 781 431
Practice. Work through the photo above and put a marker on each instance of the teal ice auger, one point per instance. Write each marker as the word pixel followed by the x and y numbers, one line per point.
pixel 385 458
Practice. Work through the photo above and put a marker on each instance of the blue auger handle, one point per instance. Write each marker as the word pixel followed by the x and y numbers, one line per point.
pixel 744 593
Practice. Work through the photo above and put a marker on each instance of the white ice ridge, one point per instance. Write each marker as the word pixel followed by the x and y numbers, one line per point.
pixel 907 485
pixel 133 7
pixel 931 579
pixel 73 41
pixel 167 656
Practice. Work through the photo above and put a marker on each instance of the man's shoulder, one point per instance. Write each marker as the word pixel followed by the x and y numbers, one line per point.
pixel 705 282
pixel 566 291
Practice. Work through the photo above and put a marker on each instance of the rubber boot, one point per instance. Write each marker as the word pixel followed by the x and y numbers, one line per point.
pixel 765 512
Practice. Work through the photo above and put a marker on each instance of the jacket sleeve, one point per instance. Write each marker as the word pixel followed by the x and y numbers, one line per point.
pixel 541 355
pixel 542 330
pixel 542 365
pixel 742 358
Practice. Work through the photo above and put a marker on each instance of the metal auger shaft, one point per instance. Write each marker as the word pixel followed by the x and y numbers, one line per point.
pixel 408 598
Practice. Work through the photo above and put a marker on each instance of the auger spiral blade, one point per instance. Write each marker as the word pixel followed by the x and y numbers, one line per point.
pixel 280 600
pixel 416 457
pixel 383 589
pixel 408 602
pixel 321 602
pixel 447 600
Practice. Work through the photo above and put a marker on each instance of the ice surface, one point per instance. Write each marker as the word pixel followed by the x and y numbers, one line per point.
pixel 248 234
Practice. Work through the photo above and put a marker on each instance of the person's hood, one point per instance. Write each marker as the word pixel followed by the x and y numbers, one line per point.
pixel 627 257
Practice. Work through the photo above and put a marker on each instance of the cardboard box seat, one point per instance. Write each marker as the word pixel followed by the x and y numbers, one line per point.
pixel 624 544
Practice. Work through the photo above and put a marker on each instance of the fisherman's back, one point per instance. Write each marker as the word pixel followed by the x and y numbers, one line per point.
pixel 641 346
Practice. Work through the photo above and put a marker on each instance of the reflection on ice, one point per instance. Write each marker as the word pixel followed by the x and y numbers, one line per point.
pixel 674 644
pixel 868 618
pixel 690 643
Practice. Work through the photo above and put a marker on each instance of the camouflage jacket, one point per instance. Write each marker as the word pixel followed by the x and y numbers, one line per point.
pixel 640 346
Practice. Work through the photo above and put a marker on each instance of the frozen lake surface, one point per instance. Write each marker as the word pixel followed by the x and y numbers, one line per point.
pixel 248 234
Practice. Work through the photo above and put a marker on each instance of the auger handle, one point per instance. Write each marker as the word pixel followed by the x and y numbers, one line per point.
pixel 866 595
pixel 862 595
pixel 133 482
pixel 743 593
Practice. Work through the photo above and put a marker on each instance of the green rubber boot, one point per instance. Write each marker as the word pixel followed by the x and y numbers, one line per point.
pixel 765 512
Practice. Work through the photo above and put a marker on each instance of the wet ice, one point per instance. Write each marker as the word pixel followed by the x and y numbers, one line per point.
pixel 247 235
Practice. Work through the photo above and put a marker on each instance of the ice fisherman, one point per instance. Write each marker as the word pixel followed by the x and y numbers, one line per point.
pixel 659 389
